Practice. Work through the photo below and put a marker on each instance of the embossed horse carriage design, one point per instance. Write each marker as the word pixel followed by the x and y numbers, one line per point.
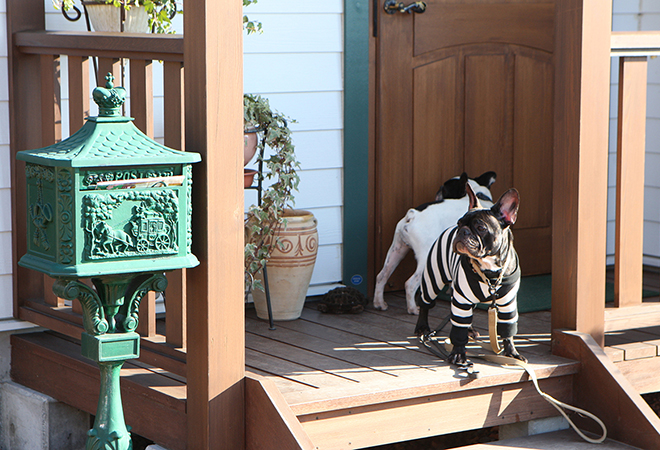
pixel 150 231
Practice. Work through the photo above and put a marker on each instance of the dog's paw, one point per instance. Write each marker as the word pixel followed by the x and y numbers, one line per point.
pixel 458 356
pixel 511 351
pixel 422 329
pixel 380 305
pixel 413 310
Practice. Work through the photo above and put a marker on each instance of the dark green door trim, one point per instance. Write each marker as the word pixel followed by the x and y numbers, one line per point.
pixel 356 143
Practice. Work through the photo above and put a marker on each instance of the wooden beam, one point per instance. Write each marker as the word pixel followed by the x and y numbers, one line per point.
pixel 582 69
pixel 142 95
pixel 25 123
pixel 213 58
pixel 154 401
pixel 635 43
pixel 631 146
pixel 164 47
pixel 269 422
pixel 601 389
pixel 418 417
pixel 79 92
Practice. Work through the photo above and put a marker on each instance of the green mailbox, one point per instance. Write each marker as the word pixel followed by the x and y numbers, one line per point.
pixel 113 205
pixel 108 199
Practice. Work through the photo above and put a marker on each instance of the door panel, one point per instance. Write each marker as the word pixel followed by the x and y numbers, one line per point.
pixel 448 23
pixel 467 85
pixel 438 130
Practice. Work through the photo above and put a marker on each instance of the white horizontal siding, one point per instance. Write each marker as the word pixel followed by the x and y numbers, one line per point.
pixel 638 16
pixel 6 289
pixel 297 64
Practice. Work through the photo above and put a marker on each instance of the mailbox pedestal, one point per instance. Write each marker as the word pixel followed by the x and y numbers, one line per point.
pixel 109 204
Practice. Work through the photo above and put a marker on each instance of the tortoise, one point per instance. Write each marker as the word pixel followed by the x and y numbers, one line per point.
pixel 343 300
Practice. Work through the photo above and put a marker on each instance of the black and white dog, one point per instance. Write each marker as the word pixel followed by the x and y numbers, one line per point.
pixel 477 258
pixel 421 226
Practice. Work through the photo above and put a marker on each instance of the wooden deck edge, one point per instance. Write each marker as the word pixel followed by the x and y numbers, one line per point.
pixel 603 390
pixel 370 399
pixel 644 315
pixel 434 415
pixel 269 422
pixel 54 366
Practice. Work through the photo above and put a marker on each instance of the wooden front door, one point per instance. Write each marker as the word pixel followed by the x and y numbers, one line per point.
pixel 467 85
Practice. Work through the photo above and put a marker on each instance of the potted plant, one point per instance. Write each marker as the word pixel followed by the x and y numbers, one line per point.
pixel 275 233
pixel 138 16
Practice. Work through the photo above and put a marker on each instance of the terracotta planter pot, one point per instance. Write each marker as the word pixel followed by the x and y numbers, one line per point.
pixel 290 268
pixel 106 17
pixel 248 177
pixel 250 139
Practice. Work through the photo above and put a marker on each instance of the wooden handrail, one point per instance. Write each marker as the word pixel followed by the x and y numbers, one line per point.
pixel 163 47
pixel 635 43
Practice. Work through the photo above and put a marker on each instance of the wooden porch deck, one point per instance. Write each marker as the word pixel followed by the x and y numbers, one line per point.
pixel 332 369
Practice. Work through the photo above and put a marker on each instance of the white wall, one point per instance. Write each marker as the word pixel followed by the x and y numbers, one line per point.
pixel 643 15
pixel 5 179
pixel 297 64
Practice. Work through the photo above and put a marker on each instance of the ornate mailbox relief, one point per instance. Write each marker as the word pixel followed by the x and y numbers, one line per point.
pixel 130 223
pixel 40 211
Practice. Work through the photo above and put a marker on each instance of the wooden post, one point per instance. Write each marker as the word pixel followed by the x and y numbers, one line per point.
pixel 582 75
pixel 213 60
pixel 25 124
pixel 631 142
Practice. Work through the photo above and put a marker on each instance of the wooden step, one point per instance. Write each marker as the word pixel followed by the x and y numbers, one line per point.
pixel 154 400
pixel 558 440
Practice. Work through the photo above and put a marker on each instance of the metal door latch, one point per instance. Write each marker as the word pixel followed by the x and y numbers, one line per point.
pixel 393 6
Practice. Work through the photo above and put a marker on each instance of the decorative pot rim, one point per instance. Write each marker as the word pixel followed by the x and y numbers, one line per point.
pixel 297 214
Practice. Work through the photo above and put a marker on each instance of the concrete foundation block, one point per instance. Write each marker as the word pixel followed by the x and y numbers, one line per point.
pixel 30 420
pixel 532 427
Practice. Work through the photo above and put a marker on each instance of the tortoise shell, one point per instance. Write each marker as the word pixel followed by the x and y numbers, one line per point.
pixel 343 300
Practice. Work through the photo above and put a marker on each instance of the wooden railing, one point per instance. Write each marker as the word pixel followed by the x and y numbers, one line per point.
pixel 632 49
pixel 165 348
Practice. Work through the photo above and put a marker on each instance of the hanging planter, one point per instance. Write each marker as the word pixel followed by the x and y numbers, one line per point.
pixel 131 16
pixel 105 17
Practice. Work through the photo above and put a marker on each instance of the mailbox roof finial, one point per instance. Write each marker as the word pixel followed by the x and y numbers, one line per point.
pixel 110 98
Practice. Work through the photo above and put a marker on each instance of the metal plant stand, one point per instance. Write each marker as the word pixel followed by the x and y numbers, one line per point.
pixel 258 188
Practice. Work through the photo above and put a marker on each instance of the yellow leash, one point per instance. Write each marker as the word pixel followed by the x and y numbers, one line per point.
pixel 558 405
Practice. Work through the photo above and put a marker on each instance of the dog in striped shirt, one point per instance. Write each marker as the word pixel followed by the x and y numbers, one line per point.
pixel 476 257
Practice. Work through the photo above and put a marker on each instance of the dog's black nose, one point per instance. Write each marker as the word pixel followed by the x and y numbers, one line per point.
pixel 463 232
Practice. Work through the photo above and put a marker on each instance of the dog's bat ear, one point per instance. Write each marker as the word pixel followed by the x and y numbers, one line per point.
pixel 474 201
pixel 486 179
pixel 506 208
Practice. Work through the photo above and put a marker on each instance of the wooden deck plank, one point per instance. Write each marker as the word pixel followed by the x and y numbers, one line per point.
pixel 308 333
pixel 294 371
pixel 336 366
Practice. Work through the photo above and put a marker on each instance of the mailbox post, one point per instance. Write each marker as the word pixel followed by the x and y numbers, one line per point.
pixel 109 204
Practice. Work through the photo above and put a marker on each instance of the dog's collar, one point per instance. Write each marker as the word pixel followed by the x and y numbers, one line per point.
pixel 493 286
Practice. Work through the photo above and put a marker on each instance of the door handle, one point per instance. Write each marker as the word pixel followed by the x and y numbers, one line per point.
pixel 393 6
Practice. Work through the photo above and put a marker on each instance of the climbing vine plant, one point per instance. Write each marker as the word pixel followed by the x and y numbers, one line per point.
pixel 280 164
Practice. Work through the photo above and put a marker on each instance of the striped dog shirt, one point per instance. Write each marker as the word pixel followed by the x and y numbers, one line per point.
pixel 444 266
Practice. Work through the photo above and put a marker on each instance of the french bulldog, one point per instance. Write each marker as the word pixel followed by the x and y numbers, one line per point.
pixel 421 226
pixel 478 260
